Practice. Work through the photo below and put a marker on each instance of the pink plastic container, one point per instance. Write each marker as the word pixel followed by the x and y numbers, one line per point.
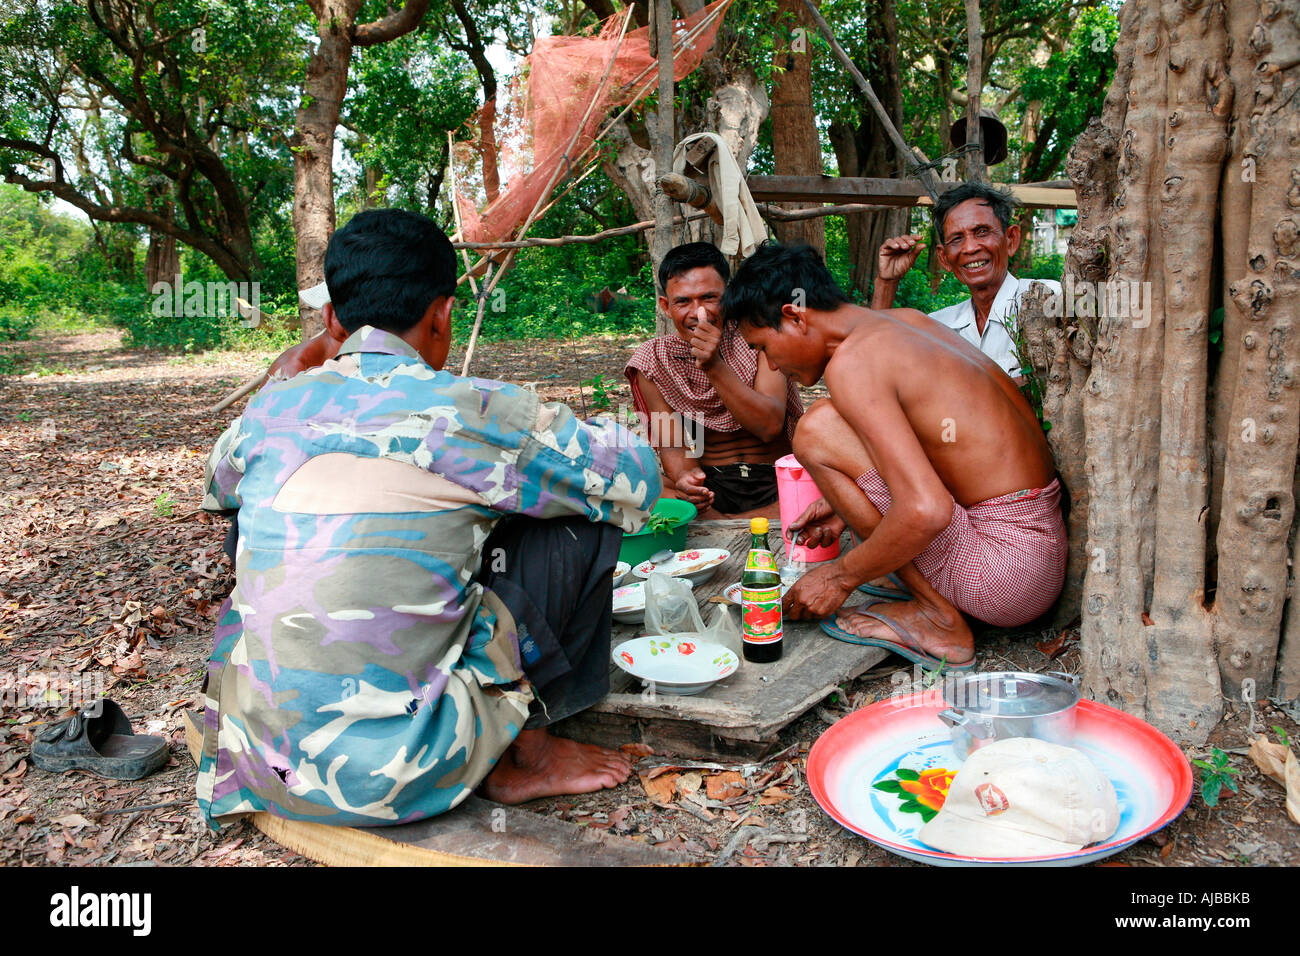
pixel 797 490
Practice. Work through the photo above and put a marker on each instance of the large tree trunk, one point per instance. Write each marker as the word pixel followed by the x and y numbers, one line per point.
pixel 796 147
pixel 866 150
pixel 1260 459
pixel 318 116
pixel 1163 204
pixel 162 262
pixel 313 147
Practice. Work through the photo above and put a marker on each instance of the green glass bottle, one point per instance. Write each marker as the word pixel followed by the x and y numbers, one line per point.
pixel 760 589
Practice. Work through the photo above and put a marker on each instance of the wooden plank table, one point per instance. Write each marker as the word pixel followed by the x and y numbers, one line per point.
pixel 741 716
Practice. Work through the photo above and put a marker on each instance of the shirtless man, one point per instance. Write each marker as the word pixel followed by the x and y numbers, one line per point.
pixel 925 449
pixel 744 412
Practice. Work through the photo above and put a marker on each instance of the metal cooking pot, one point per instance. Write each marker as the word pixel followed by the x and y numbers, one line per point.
pixel 983 708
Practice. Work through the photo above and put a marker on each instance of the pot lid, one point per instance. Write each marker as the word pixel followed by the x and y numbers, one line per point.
pixel 1010 694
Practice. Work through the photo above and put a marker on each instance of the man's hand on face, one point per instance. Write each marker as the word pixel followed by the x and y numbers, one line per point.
pixel 897 256
pixel 705 339
pixel 818 594
pixel 691 484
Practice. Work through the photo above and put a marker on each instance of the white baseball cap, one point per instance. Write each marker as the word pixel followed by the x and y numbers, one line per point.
pixel 1024 797
pixel 316 296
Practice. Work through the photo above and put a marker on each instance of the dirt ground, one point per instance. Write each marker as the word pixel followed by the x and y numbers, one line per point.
pixel 110 578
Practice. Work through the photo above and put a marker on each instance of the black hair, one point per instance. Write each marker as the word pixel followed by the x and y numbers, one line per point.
pixel 1002 203
pixel 688 256
pixel 776 275
pixel 385 268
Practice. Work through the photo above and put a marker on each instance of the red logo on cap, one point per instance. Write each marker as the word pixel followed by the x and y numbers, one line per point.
pixel 991 800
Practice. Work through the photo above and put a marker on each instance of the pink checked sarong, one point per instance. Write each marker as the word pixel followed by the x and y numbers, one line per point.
pixel 1002 560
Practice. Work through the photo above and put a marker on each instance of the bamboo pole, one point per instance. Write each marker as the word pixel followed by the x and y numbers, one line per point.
pixel 464 255
pixel 975 168
pixel 663 137
pixel 491 281
pixel 767 209
pixel 926 176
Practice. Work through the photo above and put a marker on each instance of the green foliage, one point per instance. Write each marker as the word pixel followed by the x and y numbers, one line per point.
pixel 661 523
pixel 1071 88
pixel 548 291
pixel 16 323
pixel 1215 775
pixel 403 97
pixel 163 505
pixel 600 400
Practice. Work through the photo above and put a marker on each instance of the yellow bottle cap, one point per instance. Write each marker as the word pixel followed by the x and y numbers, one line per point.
pixel 758 526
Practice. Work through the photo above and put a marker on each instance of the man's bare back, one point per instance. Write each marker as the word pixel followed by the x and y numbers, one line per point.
pixel 973 424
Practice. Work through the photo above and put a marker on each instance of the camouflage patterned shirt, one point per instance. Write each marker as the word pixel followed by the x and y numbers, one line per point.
pixel 359 676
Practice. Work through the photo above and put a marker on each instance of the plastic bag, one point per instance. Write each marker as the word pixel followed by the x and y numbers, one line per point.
pixel 670 606
pixel 725 630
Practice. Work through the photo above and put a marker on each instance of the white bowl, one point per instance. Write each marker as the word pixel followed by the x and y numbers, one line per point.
pixel 629 602
pixel 676 665
pixel 694 564
pixel 732 592
pixel 620 572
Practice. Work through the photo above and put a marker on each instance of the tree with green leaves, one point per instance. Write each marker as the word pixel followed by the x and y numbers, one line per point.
pixel 148 114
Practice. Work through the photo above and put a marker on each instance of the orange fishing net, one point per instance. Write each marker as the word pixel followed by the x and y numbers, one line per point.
pixel 517 144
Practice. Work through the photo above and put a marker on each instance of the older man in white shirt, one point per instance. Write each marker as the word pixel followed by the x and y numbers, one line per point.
pixel 976 242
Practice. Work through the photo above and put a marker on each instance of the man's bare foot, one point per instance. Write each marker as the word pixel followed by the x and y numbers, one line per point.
pixel 940 634
pixel 539 765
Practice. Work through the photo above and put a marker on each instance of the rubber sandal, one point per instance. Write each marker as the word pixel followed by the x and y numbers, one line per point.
pixel 99 739
pixel 909 650
pixel 889 594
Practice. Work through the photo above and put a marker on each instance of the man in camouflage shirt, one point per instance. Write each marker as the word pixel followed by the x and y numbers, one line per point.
pixel 391 643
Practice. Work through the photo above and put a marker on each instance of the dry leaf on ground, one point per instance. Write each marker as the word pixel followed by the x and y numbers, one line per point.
pixel 721 786
pixel 637 750
pixel 73 820
pixel 689 782
pixel 774 795
pixel 1270 758
pixel 660 789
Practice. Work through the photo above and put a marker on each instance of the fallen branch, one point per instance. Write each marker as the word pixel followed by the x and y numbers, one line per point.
pixel 252 384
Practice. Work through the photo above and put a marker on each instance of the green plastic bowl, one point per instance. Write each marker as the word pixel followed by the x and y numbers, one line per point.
pixel 638 547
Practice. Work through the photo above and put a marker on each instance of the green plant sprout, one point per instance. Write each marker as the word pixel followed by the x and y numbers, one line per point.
pixel 1215 775
pixel 600 399
pixel 162 505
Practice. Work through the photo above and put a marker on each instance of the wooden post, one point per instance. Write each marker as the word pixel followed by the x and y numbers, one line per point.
pixel 976 171
pixel 663 139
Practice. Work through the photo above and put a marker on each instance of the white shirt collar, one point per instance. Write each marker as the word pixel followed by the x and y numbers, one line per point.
pixel 1006 300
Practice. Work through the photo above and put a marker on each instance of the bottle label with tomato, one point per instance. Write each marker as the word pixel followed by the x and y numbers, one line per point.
pixel 760 561
pixel 761 614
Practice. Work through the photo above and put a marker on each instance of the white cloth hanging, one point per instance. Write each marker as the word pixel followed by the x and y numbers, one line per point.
pixel 742 226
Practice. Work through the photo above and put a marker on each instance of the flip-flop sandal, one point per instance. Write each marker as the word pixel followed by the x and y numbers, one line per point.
pixel 889 594
pixel 99 739
pixel 909 650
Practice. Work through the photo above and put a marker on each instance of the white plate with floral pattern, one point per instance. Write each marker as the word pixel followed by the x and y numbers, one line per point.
pixel 676 665
pixel 696 564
